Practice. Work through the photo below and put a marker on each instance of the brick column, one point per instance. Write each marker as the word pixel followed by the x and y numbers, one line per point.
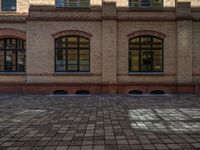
pixel 184 43
pixel 109 46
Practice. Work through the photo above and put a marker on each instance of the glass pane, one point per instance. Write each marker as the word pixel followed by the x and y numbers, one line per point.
pixel 133 3
pixel 10 43
pixel 84 3
pixel 146 42
pixel 84 52
pixel 72 52
pixel 84 57
pixel 72 67
pixel 21 61
pixel 84 42
pixel 9 5
pixel 84 67
pixel 10 61
pixel 1 60
pixel 145 3
pixel 84 62
pixel 72 42
pixel 61 60
pixel 146 60
pixel 157 60
pixel 134 60
pixel 20 44
pixel 60 3
pixel 157 43
pixel 61 42
pixel 72 3
pixel 2 44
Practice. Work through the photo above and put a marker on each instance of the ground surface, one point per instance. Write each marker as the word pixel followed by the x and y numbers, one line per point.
pixel 99 122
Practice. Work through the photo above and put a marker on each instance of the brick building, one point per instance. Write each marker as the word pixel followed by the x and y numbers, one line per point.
pixel 99 46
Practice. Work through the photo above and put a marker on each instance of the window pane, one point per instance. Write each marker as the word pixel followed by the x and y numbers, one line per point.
pixel 2 44
pixel 157 60
pixel 60 3
pixel 72 42
pixel 84 57
pixel 61 43
pixel 21 61
pixel 8 5
pixel 146 42
pixel 84 43
pixel 72 67
pixel 134 60
pixel 10 61
pixel 84 52
pixel 60 60
pixel 84 68
pixel 84 3
pixel 157 43
pixel 10 43
pixel 1 60
pixel 146 60
pixel 145 3
pixel 84 62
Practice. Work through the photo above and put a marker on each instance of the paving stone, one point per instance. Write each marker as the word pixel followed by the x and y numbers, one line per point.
pixel 107 122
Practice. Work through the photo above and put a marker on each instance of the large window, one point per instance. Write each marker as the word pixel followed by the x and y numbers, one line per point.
pixel 8 5
pixel 72 3
pixel 72 54
pixel 145 54
pixel 12 55
pixel 146 3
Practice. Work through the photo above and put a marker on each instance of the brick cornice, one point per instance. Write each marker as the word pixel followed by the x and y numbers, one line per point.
pixel 72 32
pixel 146 32
pixel 7 32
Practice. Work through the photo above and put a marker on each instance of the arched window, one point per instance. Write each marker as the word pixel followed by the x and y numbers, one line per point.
pixel 12 55
pixel 72 54
pixel 145 54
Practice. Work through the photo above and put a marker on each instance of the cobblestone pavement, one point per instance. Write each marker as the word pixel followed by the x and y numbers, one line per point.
pixel 119 122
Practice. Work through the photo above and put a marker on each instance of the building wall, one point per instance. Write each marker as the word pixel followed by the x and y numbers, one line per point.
pixel 108 23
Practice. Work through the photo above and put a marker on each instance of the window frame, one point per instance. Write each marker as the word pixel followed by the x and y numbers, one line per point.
pixel 67 4
pixel 6 10
pixel 66 55
pixel 16 50
pixel 151 50
pixel 141 7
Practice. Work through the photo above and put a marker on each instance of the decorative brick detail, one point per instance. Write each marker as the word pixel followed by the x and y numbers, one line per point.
pixel 72 32
pixel 146 32
pixel 12 33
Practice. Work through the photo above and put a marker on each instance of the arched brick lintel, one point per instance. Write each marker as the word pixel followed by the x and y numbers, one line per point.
pixel 147 32
pixel 72 32
pixel 4 33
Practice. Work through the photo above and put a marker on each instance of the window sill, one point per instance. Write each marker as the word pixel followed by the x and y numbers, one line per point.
pixel 72 73
pixel 12 73
pixel 145 9
pixel 146 73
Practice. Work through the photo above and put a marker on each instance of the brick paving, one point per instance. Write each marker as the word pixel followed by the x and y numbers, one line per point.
pixel 119 122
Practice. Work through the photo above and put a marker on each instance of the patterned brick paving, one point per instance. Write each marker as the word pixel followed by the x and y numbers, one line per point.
pixel 99 122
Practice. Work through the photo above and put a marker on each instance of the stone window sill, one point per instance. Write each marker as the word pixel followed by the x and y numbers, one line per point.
pixel 73 73
pixel 146 73
pixel 12 73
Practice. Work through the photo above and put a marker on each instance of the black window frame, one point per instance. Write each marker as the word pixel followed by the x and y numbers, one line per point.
pixel 140 49
pixel 78 55
pixel 17 50
pixel 3 9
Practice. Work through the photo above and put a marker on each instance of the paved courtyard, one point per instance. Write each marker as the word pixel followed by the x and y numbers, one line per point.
pixel 118 122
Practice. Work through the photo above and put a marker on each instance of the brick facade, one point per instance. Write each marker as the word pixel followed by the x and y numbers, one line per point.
pixel 109 25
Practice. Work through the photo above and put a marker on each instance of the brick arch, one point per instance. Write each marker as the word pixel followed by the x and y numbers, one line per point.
pixel 72 32
pixel 6 32
pixel 146 32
